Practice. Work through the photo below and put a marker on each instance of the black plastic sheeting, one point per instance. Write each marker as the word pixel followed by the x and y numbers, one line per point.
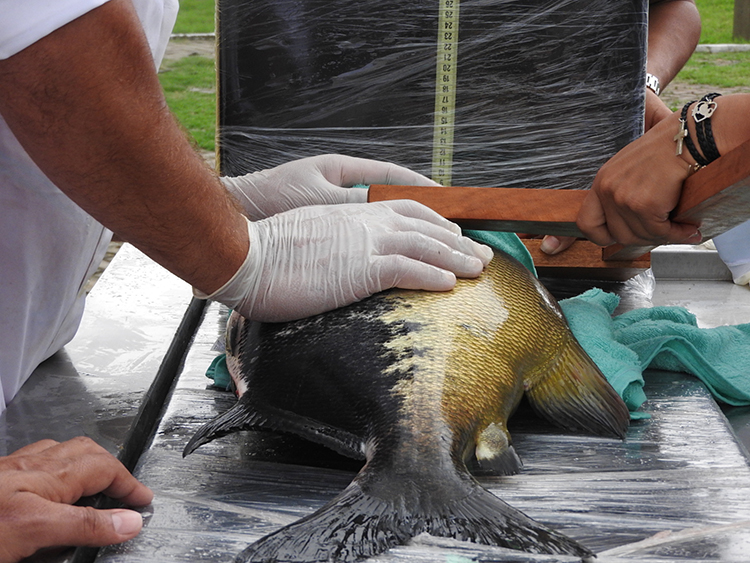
pixel 545 91
pixel 677 489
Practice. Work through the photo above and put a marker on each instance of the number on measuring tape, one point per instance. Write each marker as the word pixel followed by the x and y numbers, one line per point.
pixel 445 92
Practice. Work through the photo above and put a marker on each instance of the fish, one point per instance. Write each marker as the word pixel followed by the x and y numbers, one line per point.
pixel 419 385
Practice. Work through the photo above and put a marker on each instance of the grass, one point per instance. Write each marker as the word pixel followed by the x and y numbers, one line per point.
pixel 190 90
pixel 195 16
pixel 189 84
pixel 723 70
pixel 717 21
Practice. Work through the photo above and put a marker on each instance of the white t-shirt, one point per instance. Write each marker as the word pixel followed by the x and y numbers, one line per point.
pixel 49 246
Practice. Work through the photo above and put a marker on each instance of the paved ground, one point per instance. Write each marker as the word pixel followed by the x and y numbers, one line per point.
pixel 178 48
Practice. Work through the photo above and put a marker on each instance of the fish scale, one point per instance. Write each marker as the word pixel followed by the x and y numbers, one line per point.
pixel 422 385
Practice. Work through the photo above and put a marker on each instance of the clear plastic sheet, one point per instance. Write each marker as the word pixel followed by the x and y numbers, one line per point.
pixel 681 471
pixel 546 91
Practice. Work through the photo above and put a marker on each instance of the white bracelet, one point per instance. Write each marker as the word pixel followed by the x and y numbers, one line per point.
pixel 652 83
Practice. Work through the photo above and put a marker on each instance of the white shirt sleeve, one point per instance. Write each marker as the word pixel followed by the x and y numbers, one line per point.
pixel 25 22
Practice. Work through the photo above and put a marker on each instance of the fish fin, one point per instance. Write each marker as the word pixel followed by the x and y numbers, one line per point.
pixel 246 415
pixel 507 462
pixel 357 525
pixel 494 454
pixel 574 394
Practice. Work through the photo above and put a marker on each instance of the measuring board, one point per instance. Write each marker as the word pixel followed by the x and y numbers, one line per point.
pixel 445 92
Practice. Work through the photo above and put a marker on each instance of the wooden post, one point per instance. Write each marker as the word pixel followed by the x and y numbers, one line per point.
pixel 741 19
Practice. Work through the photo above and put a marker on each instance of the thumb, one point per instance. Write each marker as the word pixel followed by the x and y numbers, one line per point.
pixel 684 233
pixel 87 526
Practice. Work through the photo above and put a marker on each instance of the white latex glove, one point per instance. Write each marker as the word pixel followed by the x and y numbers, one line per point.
pixel 315 259
pixel 317 180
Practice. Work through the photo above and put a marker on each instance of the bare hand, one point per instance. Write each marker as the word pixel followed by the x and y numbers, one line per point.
pixel 38 485
pixel 635 191
pixel 552 244
pixel 656 110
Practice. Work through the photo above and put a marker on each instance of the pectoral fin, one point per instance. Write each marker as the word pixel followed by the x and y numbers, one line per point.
pixel 246 415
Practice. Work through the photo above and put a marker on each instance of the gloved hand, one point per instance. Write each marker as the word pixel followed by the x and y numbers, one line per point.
pixel 315 259
pixel 317 180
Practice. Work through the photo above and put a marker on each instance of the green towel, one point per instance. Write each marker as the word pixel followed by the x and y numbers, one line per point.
pixel 669 338
pixel 507 242
pixel 590 318
pixel 219 372
pixel 666 338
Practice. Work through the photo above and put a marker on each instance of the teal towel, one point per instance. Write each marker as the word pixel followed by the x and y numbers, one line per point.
pixel 507 242
pixel 665 338
pixel 590 318
pixel 669 338
pixel 219 372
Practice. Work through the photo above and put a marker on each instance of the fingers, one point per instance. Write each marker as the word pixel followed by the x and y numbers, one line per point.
pixel 409 208
pixel 79 467
pixel 356 195
pixel 38 485
pixel 36 447
pixel 554 245
pixel 593 222
pixel 37 523
pixel 349 171
pixel 432 251
pixel 462 255
pixel 628 227
pixel 406 273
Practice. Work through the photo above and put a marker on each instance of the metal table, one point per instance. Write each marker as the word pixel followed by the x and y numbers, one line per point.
pixel 684 470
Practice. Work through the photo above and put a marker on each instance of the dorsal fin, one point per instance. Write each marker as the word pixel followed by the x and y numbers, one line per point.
pixel 575 395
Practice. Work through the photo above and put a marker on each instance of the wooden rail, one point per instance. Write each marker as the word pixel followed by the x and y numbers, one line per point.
pixel 716 198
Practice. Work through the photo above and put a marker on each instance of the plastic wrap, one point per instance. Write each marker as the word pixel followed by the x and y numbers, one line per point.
pixel 545 92
pixel 682 471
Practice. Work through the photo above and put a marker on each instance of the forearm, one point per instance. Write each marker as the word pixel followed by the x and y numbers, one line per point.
pixel 730 125
pixel 731 122
pixel 673 32
pixel 86 105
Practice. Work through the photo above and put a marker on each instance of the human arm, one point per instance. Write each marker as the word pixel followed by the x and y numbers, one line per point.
pixel 38 486
pixel 634 192
pixel 674 28
pixel 86 105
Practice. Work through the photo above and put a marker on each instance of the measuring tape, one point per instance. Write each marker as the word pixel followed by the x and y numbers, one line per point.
pixel 445 92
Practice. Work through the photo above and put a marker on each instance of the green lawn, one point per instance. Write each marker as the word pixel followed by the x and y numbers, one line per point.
pixel 723 70
pixel 196 16
pixel 717 19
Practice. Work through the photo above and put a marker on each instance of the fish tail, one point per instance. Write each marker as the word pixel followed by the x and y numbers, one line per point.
pixel 574 394
pixel 356 525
